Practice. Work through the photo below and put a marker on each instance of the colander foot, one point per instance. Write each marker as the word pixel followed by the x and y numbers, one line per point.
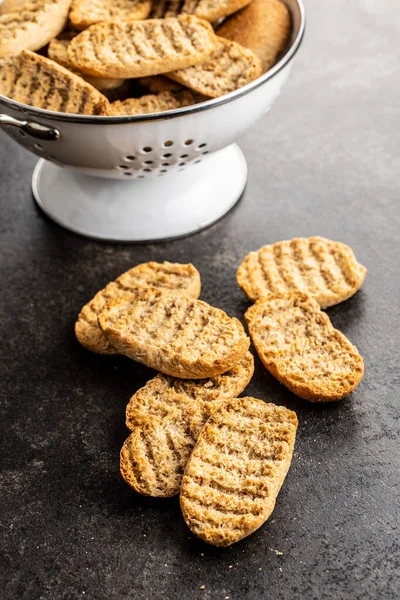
pixel 142 210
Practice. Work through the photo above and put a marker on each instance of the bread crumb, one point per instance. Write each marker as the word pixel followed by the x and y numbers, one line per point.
pixel 202 587
pixel 277 552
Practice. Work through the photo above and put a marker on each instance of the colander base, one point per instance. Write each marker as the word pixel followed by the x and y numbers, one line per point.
pixel 142 210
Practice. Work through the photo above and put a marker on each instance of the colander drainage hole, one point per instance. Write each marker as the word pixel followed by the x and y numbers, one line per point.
pixel 168 143
pixel 201 146
pixel 163 170
pixel 130 158
pixel 148 162
pixel 165 165
pixel 127 173
pixel 188 142
pixel 196 162
pixel 147 170
pixel 184 156
pixel 140 176
pixel 123 167
pixel 147 149
pixel 181 164
pixel 167 155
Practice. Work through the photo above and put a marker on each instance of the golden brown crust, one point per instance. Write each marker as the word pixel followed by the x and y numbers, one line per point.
pixel 8 6
pixel 155 84
pixel 32 26
pixel 152 103
pixel 236 469
pixel 35 80
pixel 58 51
pixel 298 344
pixel 210 10
pixel 228 68
pixel 170 276
pixel 174 334
pixel 85 13
pixel 263 26
pixel 166 417
pixel 142 48
pixel 326 270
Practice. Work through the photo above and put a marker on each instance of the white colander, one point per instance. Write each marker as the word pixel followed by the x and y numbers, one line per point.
pixel 148 177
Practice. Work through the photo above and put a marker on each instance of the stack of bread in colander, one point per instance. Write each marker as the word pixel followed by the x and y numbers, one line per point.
pixel 191 434
pixel 132 57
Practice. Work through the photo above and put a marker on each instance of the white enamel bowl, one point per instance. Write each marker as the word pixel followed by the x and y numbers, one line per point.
pixel 149 177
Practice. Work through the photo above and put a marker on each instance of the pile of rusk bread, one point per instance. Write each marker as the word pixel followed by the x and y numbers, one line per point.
pixel 130 57
pixel 191 434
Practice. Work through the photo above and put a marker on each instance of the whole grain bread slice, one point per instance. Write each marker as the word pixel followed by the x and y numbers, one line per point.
pixel 229 67
pixel 35 80
pixel 142 48
pixel 298 344
pixel 174 334
pixel 32 25
pixel 166 417
pixel 85 13
pixel 263 26
pixel 152 103
pixel 326 270
pixel 170 276
pixel 210 10
pixel 58 51
pixel 236 469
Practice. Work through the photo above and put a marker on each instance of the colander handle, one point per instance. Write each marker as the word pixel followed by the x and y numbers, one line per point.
pixel 34 129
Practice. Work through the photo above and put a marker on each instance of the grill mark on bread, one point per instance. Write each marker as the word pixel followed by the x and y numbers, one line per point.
pixel 85 13
pixel 326 270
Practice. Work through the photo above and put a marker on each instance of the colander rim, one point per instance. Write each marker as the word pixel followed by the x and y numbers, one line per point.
pixel 177 112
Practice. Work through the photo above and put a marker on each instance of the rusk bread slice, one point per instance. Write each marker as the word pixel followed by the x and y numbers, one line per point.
pixel 174 334
pixel 210 10
pixel 35 80
pixel 32 26
pixel 163 397
pixel 152 103
pixel 85 13
pixel 58 51
pixel 142 48
pixel 326 270
pixel 263 26
pixel 236 469
pixel 166 417
pixel 155 84
pixel 298 344
pixel 170 276
pixel 229 67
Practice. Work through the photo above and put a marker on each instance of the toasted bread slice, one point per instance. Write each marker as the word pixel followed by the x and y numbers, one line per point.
pixel 263 26
pixel 229 67
pixel 32 26
pixel 40 82
pixel 152 103
pixel 142 48
pixel 236 469
pixel 170 276
pixel 210 10
pixel 166 417
pixel 328 271
pixel 298 344
pixel 174 334
pixel 165 396
pixel 155 84
pixel 58 51
pixel 85 13
pixel 8 6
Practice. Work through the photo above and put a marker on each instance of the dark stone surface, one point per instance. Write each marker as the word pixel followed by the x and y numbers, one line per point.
pixel 323 162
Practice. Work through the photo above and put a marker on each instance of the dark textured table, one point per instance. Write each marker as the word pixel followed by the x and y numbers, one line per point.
pixel 322 162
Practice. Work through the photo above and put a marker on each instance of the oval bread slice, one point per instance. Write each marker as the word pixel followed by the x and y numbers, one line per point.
pixel 32 26
pixel 141 48
pixel 35 80
pixel 263 26
pixel 236 469
pixel 174 334
pixel 298 344
pixel 170 276
pixel 166 417
pixel 85 13
pixel 152 103
pixel 210 10
pixel 164 396
pixel 326 270
pixel 229 67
